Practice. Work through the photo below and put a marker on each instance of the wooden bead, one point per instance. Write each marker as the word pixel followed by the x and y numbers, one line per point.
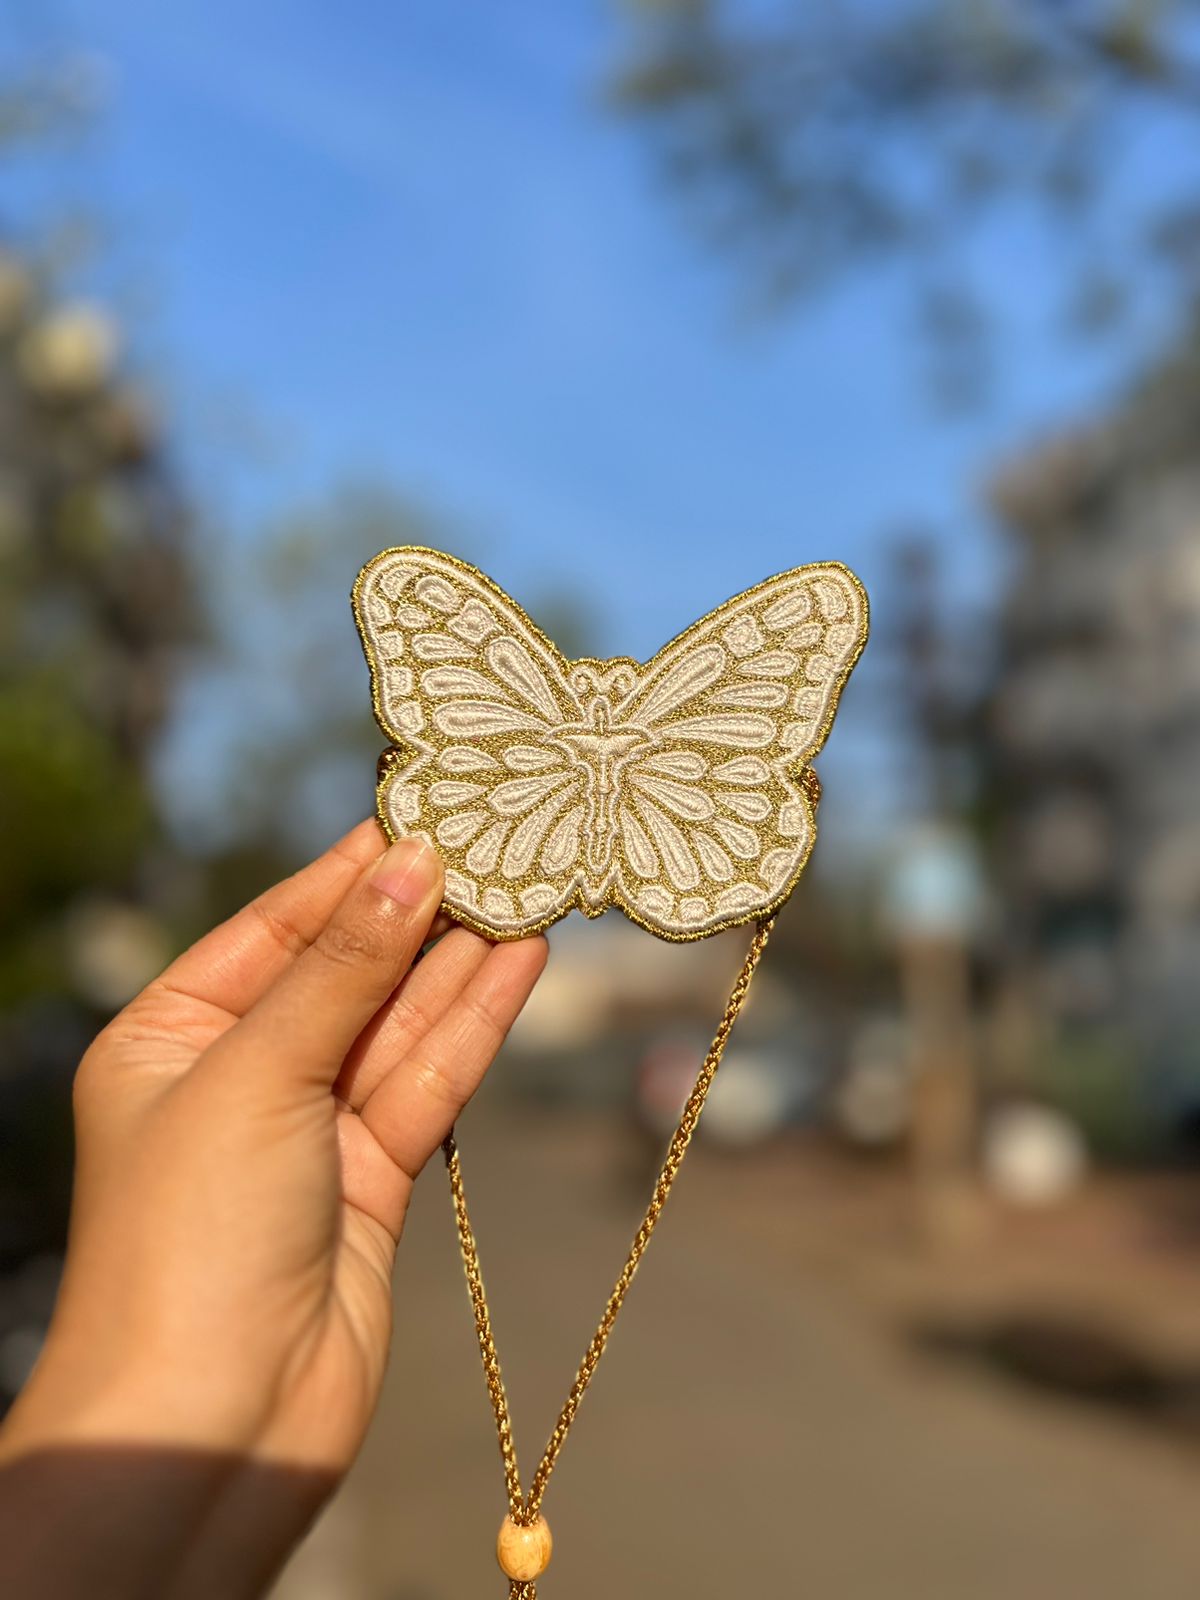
pixel 524 1553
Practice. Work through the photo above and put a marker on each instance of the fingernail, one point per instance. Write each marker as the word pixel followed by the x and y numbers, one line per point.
pixel 406 871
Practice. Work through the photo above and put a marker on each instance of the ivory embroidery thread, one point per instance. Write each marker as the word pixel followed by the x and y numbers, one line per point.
pixel 679 791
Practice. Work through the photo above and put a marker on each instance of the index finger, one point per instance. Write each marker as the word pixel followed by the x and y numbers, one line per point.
pixel 238 961
pixel 299 1031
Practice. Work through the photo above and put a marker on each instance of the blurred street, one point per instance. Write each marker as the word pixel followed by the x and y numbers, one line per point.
pixel 762 1422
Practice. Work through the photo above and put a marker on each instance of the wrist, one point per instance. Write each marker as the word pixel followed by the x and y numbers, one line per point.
pixel 76 1398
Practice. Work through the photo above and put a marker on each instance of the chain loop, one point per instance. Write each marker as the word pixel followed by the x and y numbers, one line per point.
pixel 526 1509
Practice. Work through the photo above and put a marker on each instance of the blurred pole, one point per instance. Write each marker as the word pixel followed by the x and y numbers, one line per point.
pixel 933 905
pixel 935 898
pixel 935 989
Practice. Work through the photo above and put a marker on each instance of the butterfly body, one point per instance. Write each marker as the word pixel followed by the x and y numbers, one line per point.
pixel 678 790
pixel 601 746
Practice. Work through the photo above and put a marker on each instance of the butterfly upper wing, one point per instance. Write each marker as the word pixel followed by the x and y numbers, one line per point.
pixel 468 689
pixel 715 822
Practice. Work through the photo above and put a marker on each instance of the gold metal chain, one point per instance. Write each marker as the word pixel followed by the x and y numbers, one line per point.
pixel 525 1509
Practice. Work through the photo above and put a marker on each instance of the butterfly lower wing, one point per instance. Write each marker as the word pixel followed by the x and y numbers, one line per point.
pixel 716 817
pixel 470 692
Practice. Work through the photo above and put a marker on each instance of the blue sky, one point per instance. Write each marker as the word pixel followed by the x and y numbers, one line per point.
pixel 413 244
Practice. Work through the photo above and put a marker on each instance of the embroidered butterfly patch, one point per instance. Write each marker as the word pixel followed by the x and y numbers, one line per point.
pixel 680 790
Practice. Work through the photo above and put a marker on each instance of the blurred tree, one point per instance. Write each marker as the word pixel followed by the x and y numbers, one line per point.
pixel 808 139
pixel 95 605
pixel 96 609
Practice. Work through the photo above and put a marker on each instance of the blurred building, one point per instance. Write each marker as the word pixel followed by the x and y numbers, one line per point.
pixel 1093 736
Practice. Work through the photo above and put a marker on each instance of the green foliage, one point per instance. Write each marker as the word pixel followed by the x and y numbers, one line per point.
pixel 83 816
pixel 1094 1076
pixel 95 601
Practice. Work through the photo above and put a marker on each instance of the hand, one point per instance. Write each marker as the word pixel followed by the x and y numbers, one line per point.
pixel 248 1132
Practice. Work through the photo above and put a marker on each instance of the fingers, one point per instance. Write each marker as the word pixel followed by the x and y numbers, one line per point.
pixel 300 1030
pixel 413 1108
pixel 423 996
pixel 235 964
